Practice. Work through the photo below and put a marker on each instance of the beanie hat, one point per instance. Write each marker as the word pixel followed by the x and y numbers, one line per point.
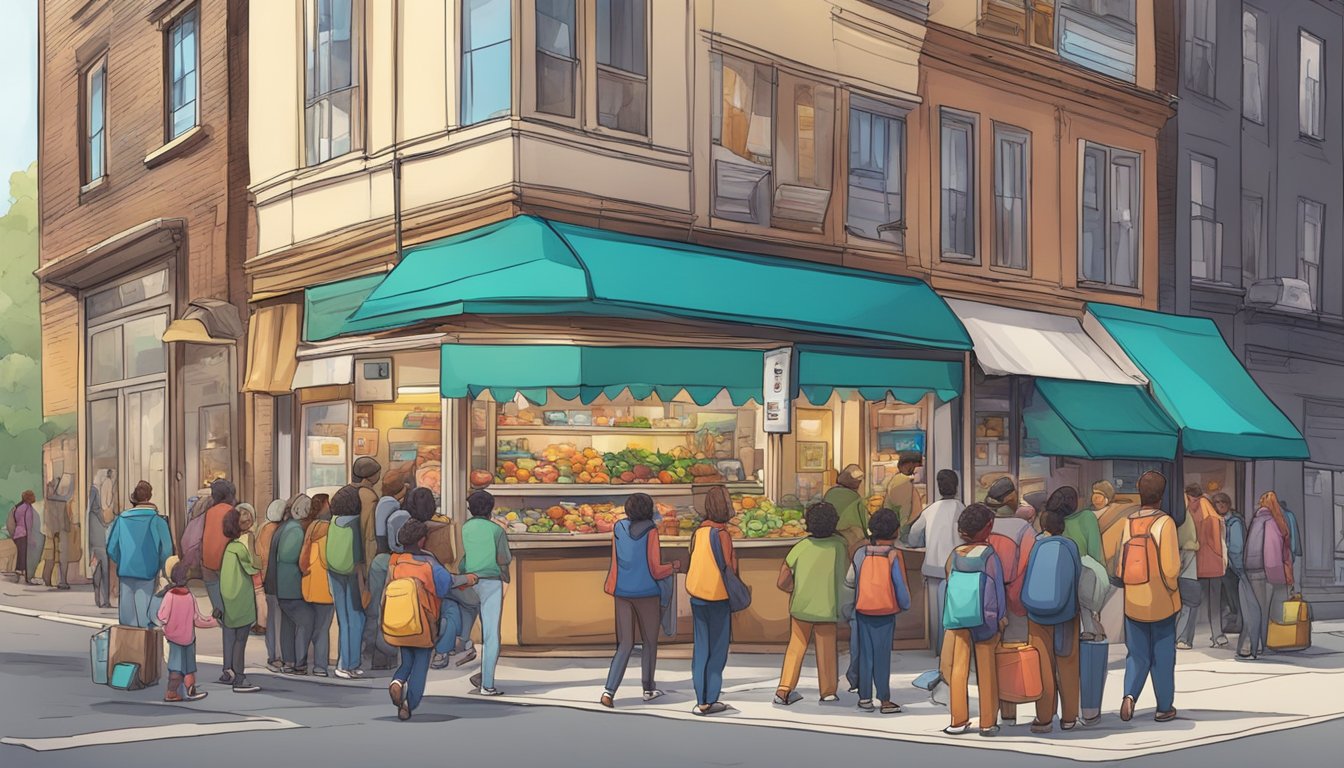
pixel 366 467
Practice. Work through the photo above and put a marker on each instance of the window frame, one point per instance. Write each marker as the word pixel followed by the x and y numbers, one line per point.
pixel 612 72
pixel 169 25
pixel 1192 42
pixel 1258 250
pixel 970 123
pixel 1208 216
pixel 356 88
pixel 1004 132
pixel 575 62
pixel 1260 59
pixel 463 52
pixel 86 135
pixel 1114 156
pixel 1303 272
pixel 1304 131
pixel 894 114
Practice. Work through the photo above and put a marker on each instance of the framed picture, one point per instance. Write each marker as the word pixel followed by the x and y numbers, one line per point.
pixel 812 456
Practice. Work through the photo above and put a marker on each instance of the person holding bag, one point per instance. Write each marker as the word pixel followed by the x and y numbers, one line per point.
pixel 713 566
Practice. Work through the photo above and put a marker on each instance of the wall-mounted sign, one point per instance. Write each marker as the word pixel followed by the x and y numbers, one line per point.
pixel 779 390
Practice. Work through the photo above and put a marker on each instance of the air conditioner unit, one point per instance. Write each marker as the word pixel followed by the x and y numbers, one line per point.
pixel 1281 292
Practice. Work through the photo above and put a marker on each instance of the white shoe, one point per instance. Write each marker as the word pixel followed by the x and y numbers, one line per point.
pixel 651 695
pixel 344 674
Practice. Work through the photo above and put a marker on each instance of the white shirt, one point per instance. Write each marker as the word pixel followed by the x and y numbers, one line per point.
pixel 936 529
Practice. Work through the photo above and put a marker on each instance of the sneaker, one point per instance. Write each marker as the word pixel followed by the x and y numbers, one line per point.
pixel 1183 646
pixel 867 705
pixel 853 689
pixel 297 671
pixel 787 698
pixel 358 673
pixel 466 656
pixel 440 661
pixel 344 674
pixel 172 697
pixel 957 730
pixel 1068 726
pixel 1127 709
pixel 1089 721
pixel 397 691
pixel 246 687
pixel 1220 641
pixel 195 694
pixel 653 694
pixel 276 665
pixel 990 732
pixel 828 698
pixel 489 692
pixel 710 709
pixel 1042 727
pixel 404 711
pixel 320 673
pixel 607 700
pixel 226 678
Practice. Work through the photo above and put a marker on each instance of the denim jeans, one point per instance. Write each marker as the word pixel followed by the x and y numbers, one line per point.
pixel 133 610
pixel 350 618
pixel 297 633
pixel 1151 650
pixel 491 592
pixel 646 613
pixel 874 644
pixel 1192 598
pixel 413 671
pixel 450 626
pixel 933 597
pixel 323 615
pixel 713 633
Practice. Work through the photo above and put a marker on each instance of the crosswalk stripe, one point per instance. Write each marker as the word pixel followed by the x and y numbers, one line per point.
pixel 150 733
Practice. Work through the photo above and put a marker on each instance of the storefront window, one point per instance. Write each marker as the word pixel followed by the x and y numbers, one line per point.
pixel 105 356
pixel 815 454
pixel 1323 555
pixel 207 384
pixel 326 429
pixel 145 352
pixel 405 438
pixel 898 438
pixel 104 440
pixel 992 425
pixel 146 428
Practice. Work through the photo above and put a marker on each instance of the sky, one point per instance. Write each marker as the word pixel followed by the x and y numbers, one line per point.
pixel 18 86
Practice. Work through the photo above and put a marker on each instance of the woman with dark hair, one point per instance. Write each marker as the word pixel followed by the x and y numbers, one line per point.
pixel 709 600
pixel 239 603
pixel 636 567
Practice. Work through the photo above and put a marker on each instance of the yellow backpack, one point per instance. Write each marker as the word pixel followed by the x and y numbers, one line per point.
pixel 410 610
pixel 315 585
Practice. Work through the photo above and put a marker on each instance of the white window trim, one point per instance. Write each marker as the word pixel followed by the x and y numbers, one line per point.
pixel 1305 131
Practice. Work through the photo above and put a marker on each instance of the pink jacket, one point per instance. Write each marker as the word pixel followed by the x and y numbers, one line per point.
pixel 180 615
pixel 1278 560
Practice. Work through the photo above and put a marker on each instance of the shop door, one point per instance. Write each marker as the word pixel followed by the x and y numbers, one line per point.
pixel 136 451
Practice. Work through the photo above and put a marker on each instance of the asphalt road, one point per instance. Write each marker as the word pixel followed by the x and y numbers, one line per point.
pixel 46 696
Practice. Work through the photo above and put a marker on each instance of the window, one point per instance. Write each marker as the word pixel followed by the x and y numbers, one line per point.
pixel 1201 58
pixel 958 187
pixel 1253 254
pixel 1323 534
pixel 182 80
pixel 1310 220
pixel 622 65
pixel 331 90
pixel 557 63
pixel 1012 155
pixel 1109 240
pixel 1254 66
pixel 1310 95
pixel 326 445
pixel 876 173
pixel 95 122
pixel 487 67
pixel 772 159
pixel 1099 35
pixel 1205 247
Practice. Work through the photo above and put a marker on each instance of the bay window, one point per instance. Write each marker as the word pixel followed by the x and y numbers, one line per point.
pixel 557 61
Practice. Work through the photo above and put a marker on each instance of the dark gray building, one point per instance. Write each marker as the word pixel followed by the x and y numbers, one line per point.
pixel 1252 190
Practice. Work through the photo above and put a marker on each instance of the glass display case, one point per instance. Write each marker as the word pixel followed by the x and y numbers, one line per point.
pixel 405 437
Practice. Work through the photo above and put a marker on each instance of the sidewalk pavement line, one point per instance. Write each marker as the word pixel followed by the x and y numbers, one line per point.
pixel 150 733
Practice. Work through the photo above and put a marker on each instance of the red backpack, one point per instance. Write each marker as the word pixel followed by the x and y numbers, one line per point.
pixel 1013 551
pixel 876 592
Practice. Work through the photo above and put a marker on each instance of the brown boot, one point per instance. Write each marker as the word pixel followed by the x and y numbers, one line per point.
pixel 174 685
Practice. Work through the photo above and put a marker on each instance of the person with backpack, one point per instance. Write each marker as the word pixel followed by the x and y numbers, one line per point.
pixel 1197 508
pixel 315 585
pixel 20 526
pixel 974 615
pixel 711 553
pixel 1211 568
pixel 877 576
pixel 487 556
pixel 180 617
pixel 368 473
pixel 275 515
pixel 632 581
pixel 936 530
pixel 813 573
pixel 1241 609
pixel 1149 570
pixel 417 585
pixel 239 612
pixel 223 495
pixel 1050 595
pixel 1081 527
pixel 138 544
pixel 381 654
pixel 1269 566
pixel 1012 538
pixel 344 557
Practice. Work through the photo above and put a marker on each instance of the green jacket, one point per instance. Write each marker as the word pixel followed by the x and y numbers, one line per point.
pixel 235 586
pixel 486 549
pixel 853 511
pixel 1082 528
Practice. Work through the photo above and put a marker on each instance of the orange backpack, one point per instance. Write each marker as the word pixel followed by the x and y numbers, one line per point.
pixel 876 593
pixel 1138 558
pixel 410 608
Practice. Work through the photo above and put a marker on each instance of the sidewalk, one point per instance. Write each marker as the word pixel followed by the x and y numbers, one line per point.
pixel 1219 699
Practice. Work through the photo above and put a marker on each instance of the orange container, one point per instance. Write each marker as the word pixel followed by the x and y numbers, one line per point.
pixel 1019 673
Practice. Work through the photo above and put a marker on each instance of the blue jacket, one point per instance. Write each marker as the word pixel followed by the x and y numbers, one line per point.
pixel 1234 531
pixel 139 543
pixel 633 578
pixel 1295 540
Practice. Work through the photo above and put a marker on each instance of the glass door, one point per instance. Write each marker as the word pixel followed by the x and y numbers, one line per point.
pixel 146 439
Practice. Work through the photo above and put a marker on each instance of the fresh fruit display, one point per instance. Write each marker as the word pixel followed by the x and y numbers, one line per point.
pixel 759 518
pixel 558 464
pixel 638 465
pixel 560 518
pixel 480 478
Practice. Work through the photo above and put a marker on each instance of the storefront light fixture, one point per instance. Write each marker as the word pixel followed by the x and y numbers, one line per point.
pixel 416 391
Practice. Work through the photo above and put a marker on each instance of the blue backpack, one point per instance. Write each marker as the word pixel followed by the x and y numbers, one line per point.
pixel 1050 587
pixel 970 601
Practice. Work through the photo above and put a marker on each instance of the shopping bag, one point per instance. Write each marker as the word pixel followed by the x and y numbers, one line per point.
pixel 98 655
pixel 143 647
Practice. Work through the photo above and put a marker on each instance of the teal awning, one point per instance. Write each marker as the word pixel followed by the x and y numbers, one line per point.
pixel 1219 408
pixel 588 372
pixel 326 307
pixel 531 266
pixel 1097 420
pixel 874 377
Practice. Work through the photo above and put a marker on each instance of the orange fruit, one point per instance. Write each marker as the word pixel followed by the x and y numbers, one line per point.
pixel 523 475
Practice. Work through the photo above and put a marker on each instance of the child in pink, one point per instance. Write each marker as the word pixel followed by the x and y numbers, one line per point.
pixel 179 615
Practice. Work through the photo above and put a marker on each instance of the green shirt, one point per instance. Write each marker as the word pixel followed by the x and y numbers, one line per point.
pixel 852 509
pixel 235 586
pixel 1082 528
pixel 819 567
pixel 485 548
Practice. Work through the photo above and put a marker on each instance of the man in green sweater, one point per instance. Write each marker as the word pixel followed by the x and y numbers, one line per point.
pixel 853 511
pixel 1081 527
pixel 486 555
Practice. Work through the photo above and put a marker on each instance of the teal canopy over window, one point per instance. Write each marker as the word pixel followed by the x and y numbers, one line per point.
pixel 585 373
pixel 822 371
pixel 1219 408
pixel 531 266
pixel 1096 420
pixel 326 307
